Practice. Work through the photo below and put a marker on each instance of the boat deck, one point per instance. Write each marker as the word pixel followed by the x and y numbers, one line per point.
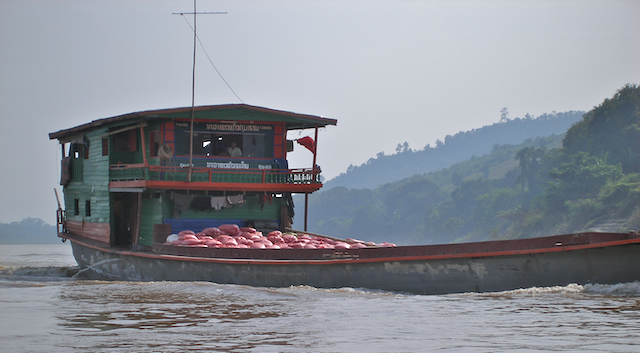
pixel 556 243
pixel 418 252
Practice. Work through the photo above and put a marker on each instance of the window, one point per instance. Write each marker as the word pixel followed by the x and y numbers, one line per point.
pixel 105 146
pixel 228 145
pixel 126 141
pixel 154 143
pixel 77 154
pixel 76 207
pixel 87 208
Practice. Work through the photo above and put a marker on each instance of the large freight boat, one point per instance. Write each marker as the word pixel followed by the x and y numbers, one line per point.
pixel 204 194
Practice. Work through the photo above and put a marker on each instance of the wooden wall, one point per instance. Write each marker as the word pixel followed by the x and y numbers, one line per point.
pixel 151 214
pixel 94 188
pixel 96 231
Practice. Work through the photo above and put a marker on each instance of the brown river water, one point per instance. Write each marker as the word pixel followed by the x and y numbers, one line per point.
pixel 43 308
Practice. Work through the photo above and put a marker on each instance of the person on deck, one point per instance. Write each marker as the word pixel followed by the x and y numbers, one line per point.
pixel 234 151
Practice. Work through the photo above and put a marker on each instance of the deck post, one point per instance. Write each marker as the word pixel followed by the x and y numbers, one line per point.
pixel 136 229
pixel 314 176
pixel 315 150
pixel 306 207
pixel 144 148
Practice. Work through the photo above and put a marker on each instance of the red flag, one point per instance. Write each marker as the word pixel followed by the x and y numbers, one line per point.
pixel 308 143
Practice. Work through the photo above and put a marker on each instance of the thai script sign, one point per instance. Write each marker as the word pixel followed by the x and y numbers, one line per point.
pixel 228 165
pixel 228 127
pixel 238 127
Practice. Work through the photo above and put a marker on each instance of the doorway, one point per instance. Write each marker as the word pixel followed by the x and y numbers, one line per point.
pixel 124 212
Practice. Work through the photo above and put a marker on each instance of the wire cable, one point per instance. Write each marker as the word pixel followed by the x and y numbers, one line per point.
pixel 211 62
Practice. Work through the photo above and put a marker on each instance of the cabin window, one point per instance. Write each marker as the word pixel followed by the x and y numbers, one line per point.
pixel 225 139
pixel 87 208
pixel 125 141
pixel 105 146
pixel 77 154
pixel 76 207
pixel 154 143
pixel 228 145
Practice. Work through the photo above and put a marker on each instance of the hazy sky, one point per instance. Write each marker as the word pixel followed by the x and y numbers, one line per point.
pixel 389 71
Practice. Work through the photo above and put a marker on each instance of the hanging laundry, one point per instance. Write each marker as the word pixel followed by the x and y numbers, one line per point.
pixel 181 203
pixel 219 202
pixel 236 199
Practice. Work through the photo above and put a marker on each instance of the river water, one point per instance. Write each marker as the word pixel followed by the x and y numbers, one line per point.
pixel 43 308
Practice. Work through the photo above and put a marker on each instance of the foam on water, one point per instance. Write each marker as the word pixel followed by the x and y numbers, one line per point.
pixel 41 273
pixel 620 289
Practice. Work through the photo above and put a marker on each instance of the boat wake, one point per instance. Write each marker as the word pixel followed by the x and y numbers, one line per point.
pixel 620 289
pixel 38 273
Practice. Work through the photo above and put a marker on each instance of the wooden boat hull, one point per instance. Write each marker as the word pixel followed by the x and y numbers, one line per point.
pixel 434 269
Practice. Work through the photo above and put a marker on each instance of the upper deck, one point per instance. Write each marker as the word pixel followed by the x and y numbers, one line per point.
pixel 224 147
pixel 177 178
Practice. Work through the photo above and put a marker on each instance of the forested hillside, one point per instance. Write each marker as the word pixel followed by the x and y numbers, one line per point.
pixel 28 231
pixel 588 180
pixel 457 148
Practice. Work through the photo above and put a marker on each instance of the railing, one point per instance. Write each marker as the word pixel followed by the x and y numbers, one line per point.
pixel 131 172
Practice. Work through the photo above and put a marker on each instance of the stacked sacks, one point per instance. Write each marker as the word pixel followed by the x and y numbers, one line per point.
pixel 232 236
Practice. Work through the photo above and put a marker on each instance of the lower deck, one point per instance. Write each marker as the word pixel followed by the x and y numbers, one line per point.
pixel 437 269
pixel 551 244
pixel 135 218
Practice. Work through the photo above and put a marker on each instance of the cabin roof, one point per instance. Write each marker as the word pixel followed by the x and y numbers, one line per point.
pixel 231 112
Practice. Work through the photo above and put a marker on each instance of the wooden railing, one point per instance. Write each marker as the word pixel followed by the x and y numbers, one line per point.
pixel 132 172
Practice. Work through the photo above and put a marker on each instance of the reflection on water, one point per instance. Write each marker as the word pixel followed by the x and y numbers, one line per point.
pixel 194 315
pixel 156 305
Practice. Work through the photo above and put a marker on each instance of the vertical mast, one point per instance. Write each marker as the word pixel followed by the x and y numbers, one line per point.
pixel 193 78
pixel 193 91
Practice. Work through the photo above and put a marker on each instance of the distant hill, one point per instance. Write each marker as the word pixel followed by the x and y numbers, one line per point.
pixel 397 211
pixel 587 179
pixel 457 148
pixel 28 231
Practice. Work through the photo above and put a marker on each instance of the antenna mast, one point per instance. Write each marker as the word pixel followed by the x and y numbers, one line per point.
pixel 193 77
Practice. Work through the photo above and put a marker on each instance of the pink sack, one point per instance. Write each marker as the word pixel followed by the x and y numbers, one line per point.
pixel 247 230
pixel 212 231
pixel 185 232
pixel 231 229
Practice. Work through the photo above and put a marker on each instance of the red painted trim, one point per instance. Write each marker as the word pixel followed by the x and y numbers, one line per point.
pixel 200 185
pixel 357 260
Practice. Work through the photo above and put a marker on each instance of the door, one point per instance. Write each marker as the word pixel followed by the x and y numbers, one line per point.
pixel 124 211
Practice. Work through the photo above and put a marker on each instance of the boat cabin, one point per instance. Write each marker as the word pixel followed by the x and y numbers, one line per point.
pixel 128 177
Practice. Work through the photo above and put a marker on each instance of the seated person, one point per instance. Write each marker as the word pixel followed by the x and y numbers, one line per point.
pixel 234 151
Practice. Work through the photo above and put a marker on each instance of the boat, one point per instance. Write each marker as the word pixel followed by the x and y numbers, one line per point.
pixel 146 195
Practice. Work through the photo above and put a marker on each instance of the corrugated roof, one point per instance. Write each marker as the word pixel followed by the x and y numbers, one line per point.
pixel 232 112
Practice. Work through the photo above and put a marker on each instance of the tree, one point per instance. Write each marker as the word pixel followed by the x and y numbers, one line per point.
pixel 456 178
pixel 529 166
pixel 504 115
pixel 581 177
pixel 611 130
pixel 402 147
